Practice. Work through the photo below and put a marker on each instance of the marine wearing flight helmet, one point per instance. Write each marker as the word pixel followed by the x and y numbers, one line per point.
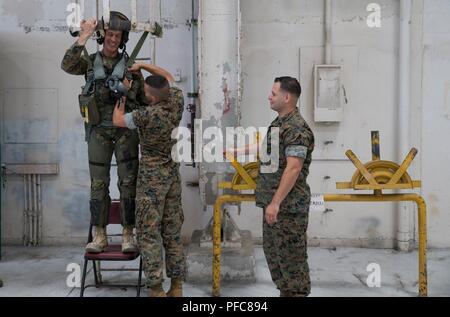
pixel 107 80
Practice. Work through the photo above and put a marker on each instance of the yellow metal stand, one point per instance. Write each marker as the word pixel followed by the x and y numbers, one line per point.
pixel 243 179
pixel 216 235
pixel 423 290
pixel 375 175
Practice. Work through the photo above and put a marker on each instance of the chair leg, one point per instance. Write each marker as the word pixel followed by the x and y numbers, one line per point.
pixel 95 274
pixel 83 278
pixel 139 278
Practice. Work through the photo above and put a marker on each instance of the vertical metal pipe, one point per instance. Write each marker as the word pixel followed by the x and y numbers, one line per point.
pixel 35 209
pixel 193 51
pixel 134 19
pixel 30 212
pixel 34 204
pixel 150 14
pixel 97 15
pixel 376 153
pixel 423 274
pixel 82 9
pixel 218 80
pixel 216 247
pixel 106 11
pixel 375 145
pixel 404 212
pixel 328 31
pixel 155 17
pixel 25 208
pixel 155 11
pixel 153 44
pixel 239 64
pixel 36 186
pixel 193 107
pixel 40 216
pixel 97 9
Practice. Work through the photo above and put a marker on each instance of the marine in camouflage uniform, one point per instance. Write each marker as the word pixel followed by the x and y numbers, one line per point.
pixel 104 140
pixel 159 215
pixel 285 241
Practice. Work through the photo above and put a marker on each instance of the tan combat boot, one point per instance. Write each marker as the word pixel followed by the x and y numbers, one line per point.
pixel 128 244
pixel 156 291
pixel 176 289
pixel 100 241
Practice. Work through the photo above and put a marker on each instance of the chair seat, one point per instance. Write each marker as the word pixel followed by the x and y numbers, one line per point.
pixel 112 252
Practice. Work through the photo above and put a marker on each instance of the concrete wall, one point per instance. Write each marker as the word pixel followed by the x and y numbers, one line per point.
pixel 436 119
pixel 283 37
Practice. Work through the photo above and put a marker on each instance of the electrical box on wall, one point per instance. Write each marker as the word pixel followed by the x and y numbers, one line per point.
pixel 328 94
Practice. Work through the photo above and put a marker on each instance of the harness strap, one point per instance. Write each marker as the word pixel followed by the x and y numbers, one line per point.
pixel 137 49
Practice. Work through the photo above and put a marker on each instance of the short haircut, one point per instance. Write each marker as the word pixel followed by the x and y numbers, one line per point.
pixel 160 86
pixel 290 85
pixel 157 81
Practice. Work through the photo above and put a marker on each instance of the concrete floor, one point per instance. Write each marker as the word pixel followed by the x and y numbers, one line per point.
pixel 334 272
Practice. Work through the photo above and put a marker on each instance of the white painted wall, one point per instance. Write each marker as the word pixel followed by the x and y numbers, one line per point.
pixel 283 37
pixel 436 119
pixel 287 38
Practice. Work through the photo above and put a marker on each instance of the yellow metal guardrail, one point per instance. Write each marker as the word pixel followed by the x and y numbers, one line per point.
pixel 375 175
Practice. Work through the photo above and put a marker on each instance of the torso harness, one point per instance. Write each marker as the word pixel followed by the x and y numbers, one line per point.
pixel 96 73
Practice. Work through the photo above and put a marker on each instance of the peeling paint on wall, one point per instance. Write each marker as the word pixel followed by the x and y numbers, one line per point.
pixel 62 28
pixel 433 203
pixel 169 24
pixel 226 68
pixel 226 94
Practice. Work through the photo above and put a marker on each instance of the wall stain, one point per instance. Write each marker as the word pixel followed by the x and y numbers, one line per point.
pixel 370 225
pixel 432 203
pixel 21 9
pixel 76 209
pixel 226 68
